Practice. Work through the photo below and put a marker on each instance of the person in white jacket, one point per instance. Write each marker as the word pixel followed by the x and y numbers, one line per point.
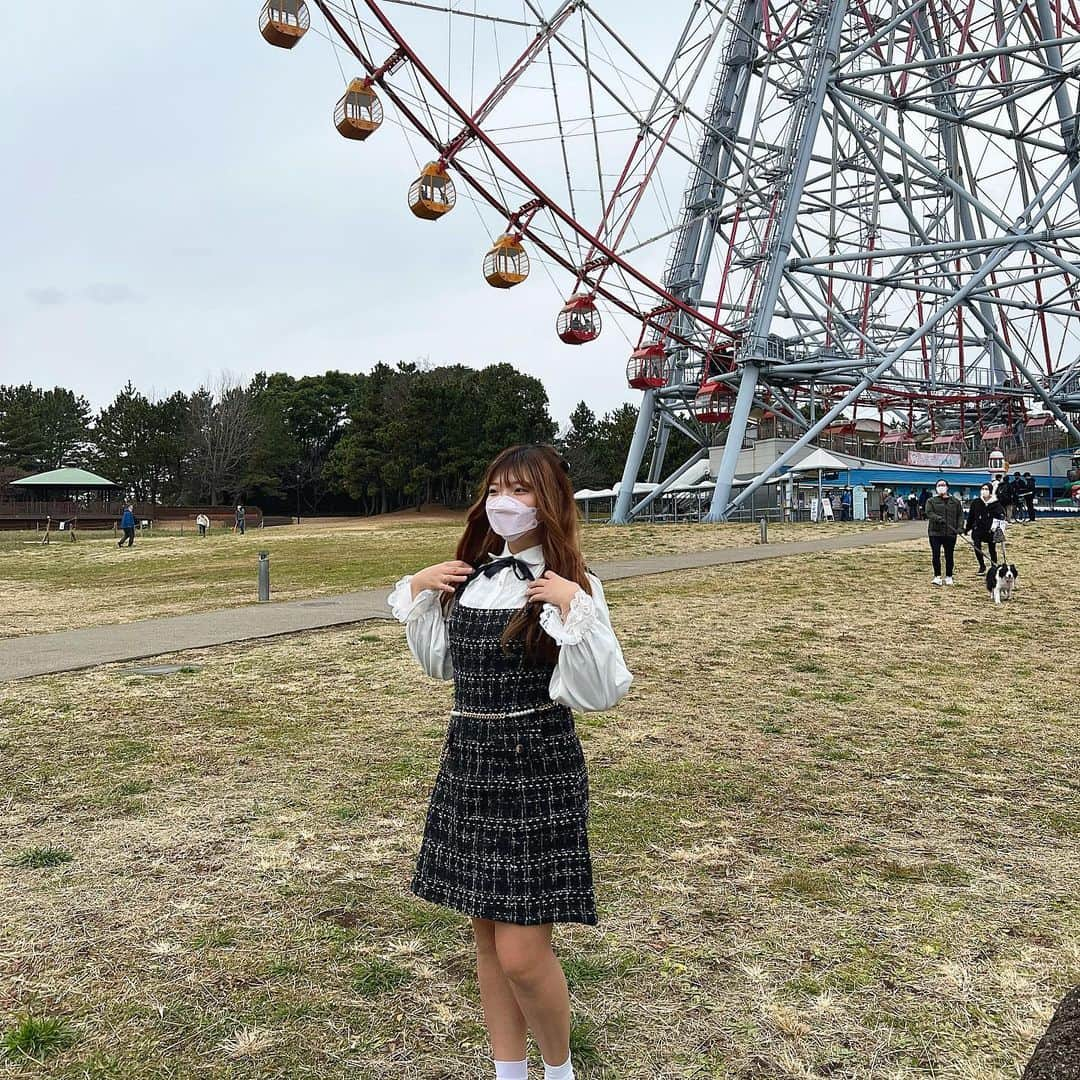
pixel 527 638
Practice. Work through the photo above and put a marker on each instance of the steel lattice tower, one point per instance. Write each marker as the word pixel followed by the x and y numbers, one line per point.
pixel 892 193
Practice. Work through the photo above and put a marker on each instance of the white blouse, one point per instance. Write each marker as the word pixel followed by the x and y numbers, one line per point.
pixel 591 674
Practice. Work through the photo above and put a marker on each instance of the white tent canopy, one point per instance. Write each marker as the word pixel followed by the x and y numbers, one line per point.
pixel 821 459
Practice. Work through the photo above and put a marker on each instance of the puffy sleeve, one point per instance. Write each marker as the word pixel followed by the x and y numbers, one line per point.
pixel 425 627
pixel 591 674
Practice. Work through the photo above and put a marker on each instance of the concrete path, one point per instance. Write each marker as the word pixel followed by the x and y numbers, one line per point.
pixel 69 650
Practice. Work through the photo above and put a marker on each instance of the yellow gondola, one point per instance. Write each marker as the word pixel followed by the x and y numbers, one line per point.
pixel 506 264
pixel 283 22
pixel 359 112
pixel 432 193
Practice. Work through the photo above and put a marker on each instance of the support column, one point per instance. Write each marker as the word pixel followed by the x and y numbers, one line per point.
pixel 663 430
pixel 733 447
pixel 621 514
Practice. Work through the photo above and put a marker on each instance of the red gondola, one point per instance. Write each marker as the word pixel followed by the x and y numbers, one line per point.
pixel 646 369
pixel 713 402
pixel 579 321
pixel 896 438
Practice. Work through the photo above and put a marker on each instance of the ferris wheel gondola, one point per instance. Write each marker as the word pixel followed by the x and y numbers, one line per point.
pixel 284 22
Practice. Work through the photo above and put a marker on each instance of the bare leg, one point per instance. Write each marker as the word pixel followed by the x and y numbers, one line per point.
pixel 538 983
pixel 502 1015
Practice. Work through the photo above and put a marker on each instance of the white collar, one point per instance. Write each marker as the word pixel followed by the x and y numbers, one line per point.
pixel 533 555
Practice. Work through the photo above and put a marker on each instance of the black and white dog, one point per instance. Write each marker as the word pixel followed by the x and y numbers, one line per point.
pixel 1000 581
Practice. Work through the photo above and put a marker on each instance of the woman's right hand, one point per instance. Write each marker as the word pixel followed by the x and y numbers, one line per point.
pixel 442 577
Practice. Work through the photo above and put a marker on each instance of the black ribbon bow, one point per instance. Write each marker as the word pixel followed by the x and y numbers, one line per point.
pixel 520 568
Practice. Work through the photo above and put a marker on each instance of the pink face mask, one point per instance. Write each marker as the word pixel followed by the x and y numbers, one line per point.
pixel 510 517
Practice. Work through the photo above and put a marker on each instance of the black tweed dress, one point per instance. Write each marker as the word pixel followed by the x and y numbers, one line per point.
pixel 506 835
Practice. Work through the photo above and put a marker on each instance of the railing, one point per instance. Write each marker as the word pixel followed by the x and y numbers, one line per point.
pixel 66 509
pixel 973 451
pixel 62 508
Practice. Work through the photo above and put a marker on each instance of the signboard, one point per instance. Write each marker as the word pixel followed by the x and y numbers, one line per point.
pixel 921 457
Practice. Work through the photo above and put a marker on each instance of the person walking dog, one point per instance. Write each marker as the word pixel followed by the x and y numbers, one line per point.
pixel 522 628
pixel 943 514
pixel 982 513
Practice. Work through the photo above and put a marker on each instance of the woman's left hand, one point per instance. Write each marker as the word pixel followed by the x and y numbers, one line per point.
pixel 549 588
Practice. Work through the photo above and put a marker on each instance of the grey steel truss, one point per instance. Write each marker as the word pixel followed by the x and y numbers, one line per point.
pixel 884 214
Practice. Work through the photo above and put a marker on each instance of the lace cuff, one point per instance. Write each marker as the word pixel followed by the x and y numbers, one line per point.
pixel 579 621
pixel 401 601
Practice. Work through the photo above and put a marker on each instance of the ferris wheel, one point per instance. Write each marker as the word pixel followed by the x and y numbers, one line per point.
pixel 798 209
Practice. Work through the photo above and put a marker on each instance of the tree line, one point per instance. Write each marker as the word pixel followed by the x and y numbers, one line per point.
pixel 395 437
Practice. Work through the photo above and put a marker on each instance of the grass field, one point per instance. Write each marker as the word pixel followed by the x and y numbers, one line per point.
pixel 67 585
pixel 835 831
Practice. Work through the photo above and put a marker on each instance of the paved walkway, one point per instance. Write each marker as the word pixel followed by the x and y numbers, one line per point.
pixel 70 650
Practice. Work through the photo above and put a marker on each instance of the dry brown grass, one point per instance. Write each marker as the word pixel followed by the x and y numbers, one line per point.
pixel 834 826
pixel 65 586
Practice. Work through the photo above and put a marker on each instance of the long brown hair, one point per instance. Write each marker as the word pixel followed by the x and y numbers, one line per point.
pixel 539 468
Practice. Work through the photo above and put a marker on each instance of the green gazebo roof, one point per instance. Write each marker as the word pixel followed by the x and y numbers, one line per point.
pixel 68 478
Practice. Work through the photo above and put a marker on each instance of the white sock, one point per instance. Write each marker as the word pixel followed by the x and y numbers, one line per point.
pixel 559 1072
pixel 512 1070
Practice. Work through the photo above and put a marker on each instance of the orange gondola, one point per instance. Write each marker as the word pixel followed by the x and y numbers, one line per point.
pixel 359 112
pixel 647 367
pixel 506 264
pixel 432 193
pixel 579 321
pixel 283 22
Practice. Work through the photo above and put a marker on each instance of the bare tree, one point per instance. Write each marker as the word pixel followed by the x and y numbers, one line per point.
pixel 222 419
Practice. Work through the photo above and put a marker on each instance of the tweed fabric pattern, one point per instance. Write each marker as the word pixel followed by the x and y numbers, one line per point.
pixel 506 832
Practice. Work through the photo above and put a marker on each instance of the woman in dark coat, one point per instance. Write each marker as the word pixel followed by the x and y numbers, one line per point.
pixel 980 524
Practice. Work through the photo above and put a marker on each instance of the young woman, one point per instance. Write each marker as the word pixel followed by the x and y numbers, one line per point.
pixel 526 637
pixel 983 513
pixel 943 514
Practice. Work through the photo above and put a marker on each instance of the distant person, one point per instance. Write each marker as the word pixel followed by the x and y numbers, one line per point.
pixel 943 514
pixel 1006 495
pixel 924 495
pixel 239 526
pixel 204 523
pixel 1018 497
pixel 845 505
pixel 982 513
pixel 1029 496
pixel 913 505
pixel 127 523
pixel 890 506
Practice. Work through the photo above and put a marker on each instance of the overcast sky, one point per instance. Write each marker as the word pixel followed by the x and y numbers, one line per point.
pixel 178 204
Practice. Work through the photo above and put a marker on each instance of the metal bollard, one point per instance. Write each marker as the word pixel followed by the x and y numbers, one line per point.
pixel 264 576
pixel 763 527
